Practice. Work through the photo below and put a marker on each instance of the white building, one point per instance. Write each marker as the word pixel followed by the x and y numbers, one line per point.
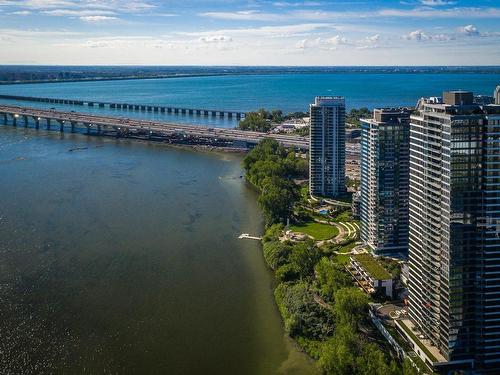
pixel 370 274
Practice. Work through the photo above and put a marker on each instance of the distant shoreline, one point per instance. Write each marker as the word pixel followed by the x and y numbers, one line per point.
pixel 176 72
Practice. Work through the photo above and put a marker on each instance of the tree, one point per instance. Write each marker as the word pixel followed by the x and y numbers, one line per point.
pixel 276 253
pixel 408 368
pixel 254 121
pixel 372 361
pixel 277 115
pixel 355 115
pixel 304 257
pixel 338 355
pixel 331 277
pixel 276 199
pixel 301 314
pixel 351 306
pixel 273 233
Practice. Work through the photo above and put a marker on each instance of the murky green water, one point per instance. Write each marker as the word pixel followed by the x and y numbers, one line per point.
pixel 123 258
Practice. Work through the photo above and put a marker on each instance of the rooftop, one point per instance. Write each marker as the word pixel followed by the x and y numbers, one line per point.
pixel 329 100
pixel 373 267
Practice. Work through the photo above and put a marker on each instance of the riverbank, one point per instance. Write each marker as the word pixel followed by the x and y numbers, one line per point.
pixel 321 308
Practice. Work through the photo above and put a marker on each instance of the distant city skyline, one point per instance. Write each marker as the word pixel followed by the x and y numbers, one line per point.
pixel 254 32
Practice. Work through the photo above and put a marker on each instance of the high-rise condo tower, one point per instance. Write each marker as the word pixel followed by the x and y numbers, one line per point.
pixel 454 230
pixel 385 147
pixel 327 147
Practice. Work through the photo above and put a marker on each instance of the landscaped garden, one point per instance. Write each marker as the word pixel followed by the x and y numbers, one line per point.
pixel 318 231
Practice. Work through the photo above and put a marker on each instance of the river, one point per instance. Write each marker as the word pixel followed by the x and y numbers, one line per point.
pixel 122 257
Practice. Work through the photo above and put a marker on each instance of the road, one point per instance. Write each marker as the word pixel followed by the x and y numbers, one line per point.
pixel 121 123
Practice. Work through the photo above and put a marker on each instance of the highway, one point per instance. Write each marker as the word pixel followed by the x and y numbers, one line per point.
pixel 162 128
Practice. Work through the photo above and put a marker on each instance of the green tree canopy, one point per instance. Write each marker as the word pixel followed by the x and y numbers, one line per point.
pixel 351 306
pixel 276 199
pixel 331 277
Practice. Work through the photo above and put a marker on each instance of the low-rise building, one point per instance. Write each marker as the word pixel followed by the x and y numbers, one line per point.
pixel 371 275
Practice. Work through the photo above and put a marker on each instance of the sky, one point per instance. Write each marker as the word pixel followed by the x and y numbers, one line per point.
pixel 253 32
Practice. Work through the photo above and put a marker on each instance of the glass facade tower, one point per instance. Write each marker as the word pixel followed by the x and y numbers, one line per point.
pixel 385 146
pixel 327 147
pixel 454 230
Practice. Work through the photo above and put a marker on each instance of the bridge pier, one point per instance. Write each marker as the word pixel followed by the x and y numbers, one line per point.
pixel 61 126
pixel 169 110
pixel 25 121
pixel 90 104
pixel 176 110
pixel 48 123
pixel 73 124
pixel 5 118
pixel 37 122
pixel 101 105
pixel 162 109
pixel 14 120
pixel 205 113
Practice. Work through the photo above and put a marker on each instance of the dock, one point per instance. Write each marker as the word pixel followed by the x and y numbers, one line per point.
pixel 246 236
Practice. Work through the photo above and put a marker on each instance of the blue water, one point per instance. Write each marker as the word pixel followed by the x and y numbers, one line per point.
pixel 289 92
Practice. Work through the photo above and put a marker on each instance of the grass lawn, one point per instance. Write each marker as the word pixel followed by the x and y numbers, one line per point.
pixel 317 230
pixel 342 259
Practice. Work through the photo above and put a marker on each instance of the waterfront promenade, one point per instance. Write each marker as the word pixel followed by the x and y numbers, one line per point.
pixel 142 129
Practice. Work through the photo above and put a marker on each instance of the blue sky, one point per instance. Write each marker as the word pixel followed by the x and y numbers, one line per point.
pixel 258 32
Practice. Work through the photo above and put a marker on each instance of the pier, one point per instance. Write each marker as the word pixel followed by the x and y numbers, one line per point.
pixel 120 127
pixel 132 107
pixel 246 236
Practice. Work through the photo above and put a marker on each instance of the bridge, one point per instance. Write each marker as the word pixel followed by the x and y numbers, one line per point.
pixel 134 107
pixel 141 129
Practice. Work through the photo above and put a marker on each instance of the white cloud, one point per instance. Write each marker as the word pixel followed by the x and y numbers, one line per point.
pixel 416 35
pixel 422 36
pixel 330 43
pixel 283 4
pixel 434 3
pixel 243 15
pixel 337 40
pixel 469 30
pixel 283 31
pixel 21 13
pixel 77 13
pixel 98 18
pixel 442 13
pixel 118 5
pixel 215 39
